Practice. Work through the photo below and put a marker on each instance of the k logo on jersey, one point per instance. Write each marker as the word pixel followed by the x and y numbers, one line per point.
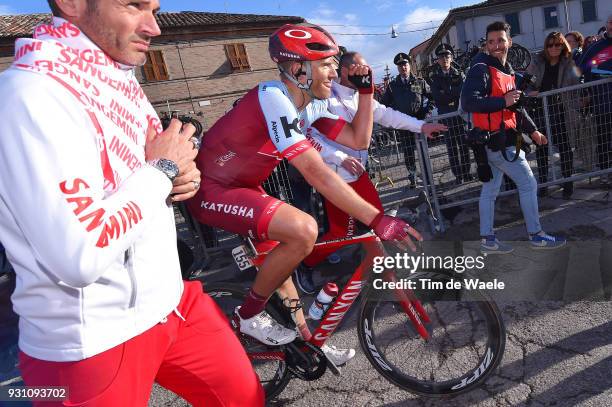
pixel 287 127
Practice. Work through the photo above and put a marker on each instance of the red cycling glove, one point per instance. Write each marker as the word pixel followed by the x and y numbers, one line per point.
pixel 389 228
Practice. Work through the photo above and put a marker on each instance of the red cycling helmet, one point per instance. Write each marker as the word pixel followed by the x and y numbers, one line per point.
pixel 294 42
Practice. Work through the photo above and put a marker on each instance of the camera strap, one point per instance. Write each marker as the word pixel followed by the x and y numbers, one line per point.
pixel 517 145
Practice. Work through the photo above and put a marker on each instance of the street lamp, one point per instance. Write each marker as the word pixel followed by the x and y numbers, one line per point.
pixel 393 32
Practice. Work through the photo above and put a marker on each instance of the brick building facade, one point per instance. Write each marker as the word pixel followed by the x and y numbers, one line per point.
pixel 200 64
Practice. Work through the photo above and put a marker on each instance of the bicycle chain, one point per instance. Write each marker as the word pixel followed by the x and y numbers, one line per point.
pixel 293 351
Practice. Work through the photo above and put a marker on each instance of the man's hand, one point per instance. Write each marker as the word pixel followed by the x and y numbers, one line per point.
pixel 353 166
pixel 539 138
pixel 361 77
pixel 187 183
pixel 388 228
pixel 173 144
pixel 430 128
pixel 512 97
pixel 176 144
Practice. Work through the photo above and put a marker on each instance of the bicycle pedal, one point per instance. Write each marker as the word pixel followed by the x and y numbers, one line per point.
pixel 336 370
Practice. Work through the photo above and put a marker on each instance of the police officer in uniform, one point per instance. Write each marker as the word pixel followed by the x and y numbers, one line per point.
pixel 446 81
pixel 410 95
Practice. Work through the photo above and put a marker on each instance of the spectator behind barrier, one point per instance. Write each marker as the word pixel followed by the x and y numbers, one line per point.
pixel 596 64
pixel 576 41
pixel 486 96
pixel 553 68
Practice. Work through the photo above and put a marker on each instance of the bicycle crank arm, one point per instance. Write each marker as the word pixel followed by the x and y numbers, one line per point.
pixel 305 361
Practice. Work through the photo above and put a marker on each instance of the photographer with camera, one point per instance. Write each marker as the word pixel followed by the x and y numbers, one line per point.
pixel 490 95
pixel 554 68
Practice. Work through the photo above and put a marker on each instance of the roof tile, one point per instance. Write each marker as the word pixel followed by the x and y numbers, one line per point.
pixel 22 25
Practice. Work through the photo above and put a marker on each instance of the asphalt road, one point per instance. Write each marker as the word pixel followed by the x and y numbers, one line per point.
pixel 557 354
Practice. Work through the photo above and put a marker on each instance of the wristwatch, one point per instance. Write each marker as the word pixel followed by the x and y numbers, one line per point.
pixel 168 167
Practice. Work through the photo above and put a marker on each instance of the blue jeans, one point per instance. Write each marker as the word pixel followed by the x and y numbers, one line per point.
pixel 522 176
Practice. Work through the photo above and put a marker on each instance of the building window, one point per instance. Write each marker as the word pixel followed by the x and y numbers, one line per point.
pixel 515 25
pixel 589 11
pixel 551 18
pixel 236 53
pixel 155 67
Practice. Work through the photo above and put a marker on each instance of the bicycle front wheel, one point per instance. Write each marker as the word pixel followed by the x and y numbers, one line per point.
pixel 466 344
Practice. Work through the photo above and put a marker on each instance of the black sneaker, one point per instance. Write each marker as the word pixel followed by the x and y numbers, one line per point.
pixel 303 278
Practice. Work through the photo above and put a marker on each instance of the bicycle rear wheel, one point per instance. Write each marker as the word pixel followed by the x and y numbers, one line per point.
pixel 467 341
pixel 272 371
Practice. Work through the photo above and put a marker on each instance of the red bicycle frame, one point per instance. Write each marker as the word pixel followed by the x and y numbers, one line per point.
pixel 351 291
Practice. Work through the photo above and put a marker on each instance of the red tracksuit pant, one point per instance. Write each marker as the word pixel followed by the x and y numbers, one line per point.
pixel 199 359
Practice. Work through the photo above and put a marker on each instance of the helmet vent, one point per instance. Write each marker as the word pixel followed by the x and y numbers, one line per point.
pixel 316 46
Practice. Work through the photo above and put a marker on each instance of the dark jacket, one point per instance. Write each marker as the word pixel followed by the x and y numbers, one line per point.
pixel 602 94
pixel 409 98
pixel 477 88
pixel 591 53
pixel 446 88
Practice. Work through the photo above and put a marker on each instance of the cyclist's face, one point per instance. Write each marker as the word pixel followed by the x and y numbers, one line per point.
pixel 498 44
pixel 121 28
pixel 323 73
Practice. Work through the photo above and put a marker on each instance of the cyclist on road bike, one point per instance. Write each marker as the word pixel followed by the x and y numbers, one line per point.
pixel 243 147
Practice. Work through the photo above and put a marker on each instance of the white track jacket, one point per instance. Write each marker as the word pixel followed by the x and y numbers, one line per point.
pixel 83 218
pixel 344 103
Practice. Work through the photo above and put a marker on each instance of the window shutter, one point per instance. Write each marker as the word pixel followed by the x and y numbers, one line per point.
pixel 148 69
pixel 155 68
pixel 232 55
pixel 236 53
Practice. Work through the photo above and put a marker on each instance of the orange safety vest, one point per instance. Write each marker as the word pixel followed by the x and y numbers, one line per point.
pixel 501 83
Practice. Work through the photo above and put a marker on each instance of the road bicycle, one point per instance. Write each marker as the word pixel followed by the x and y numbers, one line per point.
pixel 429 342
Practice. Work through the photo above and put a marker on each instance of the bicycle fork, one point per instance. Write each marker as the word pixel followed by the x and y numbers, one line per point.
pixel 412 307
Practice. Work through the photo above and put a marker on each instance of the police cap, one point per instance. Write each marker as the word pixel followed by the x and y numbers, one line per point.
pixel 401 58
pixel 444 49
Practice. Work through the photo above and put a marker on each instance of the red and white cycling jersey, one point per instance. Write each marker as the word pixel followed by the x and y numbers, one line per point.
pixel 243 147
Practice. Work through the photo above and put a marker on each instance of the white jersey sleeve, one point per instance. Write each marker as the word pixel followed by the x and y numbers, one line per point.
pixel 389 117
pixel 282 120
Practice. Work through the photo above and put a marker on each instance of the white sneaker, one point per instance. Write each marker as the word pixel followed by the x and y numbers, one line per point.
pixel 337 355
pixel 264 328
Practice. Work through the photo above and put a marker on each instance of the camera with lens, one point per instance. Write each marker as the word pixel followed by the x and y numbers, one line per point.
pixel 528 102
pixel 477 139
pixel 477 136
pixel 185 119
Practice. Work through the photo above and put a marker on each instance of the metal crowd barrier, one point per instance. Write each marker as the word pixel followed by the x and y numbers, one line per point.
pixel 577 121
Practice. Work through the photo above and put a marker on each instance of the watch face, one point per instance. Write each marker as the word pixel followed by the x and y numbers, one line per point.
pixel 169 168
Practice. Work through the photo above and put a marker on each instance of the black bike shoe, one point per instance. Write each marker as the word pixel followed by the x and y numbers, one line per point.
pixel 303 278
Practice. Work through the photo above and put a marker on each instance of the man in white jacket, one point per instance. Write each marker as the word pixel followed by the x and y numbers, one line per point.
pixel 87 177
pixel 349 163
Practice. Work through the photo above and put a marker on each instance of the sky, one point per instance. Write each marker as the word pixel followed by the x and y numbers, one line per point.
pixel 414 20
